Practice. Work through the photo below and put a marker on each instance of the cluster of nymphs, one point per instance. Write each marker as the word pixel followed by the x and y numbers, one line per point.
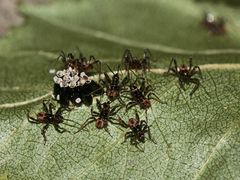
pixel 125 89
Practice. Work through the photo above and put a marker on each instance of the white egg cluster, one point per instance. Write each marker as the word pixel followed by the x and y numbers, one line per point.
pixel 71 78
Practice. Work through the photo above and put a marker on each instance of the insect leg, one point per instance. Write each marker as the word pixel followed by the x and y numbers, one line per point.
pixel 196 82
pixel 43 132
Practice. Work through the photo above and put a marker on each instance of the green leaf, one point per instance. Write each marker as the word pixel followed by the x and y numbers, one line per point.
pixel 197 138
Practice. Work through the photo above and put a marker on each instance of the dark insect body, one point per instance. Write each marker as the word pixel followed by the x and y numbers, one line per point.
pixel 48 117
pixel 72 85
pixel 141 96
pixel 103 116
pixel 78 95
pixel 114 85
pixel 82 64
pixel 214 26
pixel 138 129
pixel 88 65
pixel 68 60
pixel 134 63
pixel 185 74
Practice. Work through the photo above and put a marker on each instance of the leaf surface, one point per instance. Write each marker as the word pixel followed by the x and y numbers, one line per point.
pixel 197 138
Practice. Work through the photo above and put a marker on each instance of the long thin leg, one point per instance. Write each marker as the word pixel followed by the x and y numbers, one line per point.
pixel 51 108
pixel 138 147
pixel 147 57
pixel 125 125
pixel 71 121
pixel 106 129
pixel 155 97
pixel 136 115
pixel 74 126
pixel 100 69
pixel 62 57
pixel 35 121
pixel 45 108
pixel 134 142
pixel 99 105
pixel 60 129
pixel 127 54
pixel 146 114
pixel 121 101
pixel 67 124
pixel 103 82
pixel 170 66
pixel 148 64
pixel 148 89
pixel 94 113
pixel 87 122
pixel 124 59
pixel 59 111
pixel 196 70
pixel 119 122
pixel 143 86
pixel 190 64
pixel 107 78
pixel 178 94
pixel 130 105
pixel 127 135
pixel 127 59
pixel 43 132
pixel 110 69
pixel 196 82
pixel 95 61
pixel 124 81
pixel 147 129
pixel 115 109
pixel 181 84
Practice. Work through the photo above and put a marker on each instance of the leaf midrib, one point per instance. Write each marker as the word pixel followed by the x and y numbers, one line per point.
pixel 157 71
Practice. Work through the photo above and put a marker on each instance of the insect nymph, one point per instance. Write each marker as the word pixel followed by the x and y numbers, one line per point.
pixel 114 85
pixel 138 130
pixel 141 95
pixel 82 64
pixel 185 74
pixel 48 117
pixel 103 116
pixel 131 62
pixel 215 26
